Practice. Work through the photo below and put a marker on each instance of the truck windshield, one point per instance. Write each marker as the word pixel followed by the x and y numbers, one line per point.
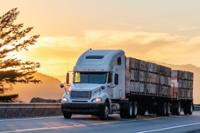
pixel 90 77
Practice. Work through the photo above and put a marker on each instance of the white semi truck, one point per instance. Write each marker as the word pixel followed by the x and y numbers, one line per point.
pixel 107 82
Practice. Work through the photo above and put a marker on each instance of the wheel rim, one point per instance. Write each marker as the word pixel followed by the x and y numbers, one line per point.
pixel 135 109
pixel 179 108
pixel 168 109
pixel 131 109
pixel 191 108
pixel 165 109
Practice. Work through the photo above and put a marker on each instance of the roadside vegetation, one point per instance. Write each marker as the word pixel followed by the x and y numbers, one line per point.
pixel 13 39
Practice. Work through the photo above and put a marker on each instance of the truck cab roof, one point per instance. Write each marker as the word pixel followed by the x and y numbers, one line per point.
pixel 97 60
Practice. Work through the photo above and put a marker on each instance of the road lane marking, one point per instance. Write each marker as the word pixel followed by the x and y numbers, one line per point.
pixel 43 128
pixel 25 119
pixel 169 128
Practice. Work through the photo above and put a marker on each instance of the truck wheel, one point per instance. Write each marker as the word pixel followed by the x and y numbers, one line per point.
pixel 168 109
pixel 162 109
pixel 165 109
pixel 126 109
pixel 178 109
pixel 135 109
pixel 190 109
pixel 67 115
pixel 105 113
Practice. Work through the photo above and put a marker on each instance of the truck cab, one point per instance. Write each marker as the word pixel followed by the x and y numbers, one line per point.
pixel 98 81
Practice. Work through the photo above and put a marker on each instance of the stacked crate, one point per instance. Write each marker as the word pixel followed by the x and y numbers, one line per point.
pixel 182 84
pixel 147 78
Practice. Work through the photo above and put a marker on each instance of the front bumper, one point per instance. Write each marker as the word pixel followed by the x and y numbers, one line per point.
pixel 83 108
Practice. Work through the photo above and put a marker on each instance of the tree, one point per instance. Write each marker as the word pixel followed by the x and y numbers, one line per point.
pixel 14 38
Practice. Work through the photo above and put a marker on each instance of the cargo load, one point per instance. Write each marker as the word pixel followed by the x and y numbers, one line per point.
pixel 147 78
pixel 181 84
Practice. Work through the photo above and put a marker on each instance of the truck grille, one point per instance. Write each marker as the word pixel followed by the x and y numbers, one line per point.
pixel 80 94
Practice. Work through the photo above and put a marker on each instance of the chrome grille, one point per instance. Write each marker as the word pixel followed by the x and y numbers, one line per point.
pixel 80 94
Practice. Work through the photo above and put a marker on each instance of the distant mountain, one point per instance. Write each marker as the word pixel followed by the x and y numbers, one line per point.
pixel 48 89
pixel 196 71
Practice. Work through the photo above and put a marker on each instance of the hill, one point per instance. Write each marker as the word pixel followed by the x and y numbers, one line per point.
pixel 48 89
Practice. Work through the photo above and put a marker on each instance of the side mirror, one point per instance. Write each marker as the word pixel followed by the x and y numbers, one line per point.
pixel 67 78
pixel 63 86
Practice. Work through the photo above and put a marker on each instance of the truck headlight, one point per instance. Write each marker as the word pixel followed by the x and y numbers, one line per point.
pixel 97 100
pixel 64 100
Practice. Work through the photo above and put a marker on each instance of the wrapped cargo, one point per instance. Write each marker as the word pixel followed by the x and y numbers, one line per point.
pixel 164 90
pixel 185 75
pixel 152 78
pixel 143 65
pixel 142 76
pixel 151 88
pixel 148 78
pixel 152 67
pixel 134 63
pixel 134 75
pixel 165 71
pixel 183 82
pixel 165 80
pixel 137 87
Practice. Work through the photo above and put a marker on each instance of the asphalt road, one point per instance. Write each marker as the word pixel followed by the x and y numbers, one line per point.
pixel 83 124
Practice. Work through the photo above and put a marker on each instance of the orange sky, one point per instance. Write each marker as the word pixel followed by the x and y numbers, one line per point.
pixel 165 31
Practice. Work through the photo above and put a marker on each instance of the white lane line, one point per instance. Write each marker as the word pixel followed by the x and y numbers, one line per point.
pixel 25 119
pixel 43 128
pixel 169 128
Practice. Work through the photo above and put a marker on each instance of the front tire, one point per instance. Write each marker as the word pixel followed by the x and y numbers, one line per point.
pixel 67 115
pixel 105 113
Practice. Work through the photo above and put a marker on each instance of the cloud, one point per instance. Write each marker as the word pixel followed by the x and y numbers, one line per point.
pixel 60 53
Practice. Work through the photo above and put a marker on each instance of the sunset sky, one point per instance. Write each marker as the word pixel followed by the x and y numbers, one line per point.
pixel 159 30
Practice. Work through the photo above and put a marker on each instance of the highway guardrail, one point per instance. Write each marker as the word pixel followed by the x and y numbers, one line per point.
pixel 197 107
pixel 17 110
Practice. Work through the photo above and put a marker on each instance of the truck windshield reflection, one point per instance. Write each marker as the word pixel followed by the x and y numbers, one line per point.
pixel 90 77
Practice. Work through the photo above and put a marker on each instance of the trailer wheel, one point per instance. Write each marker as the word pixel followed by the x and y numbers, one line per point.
pixel 67 115
pixel 135 109
pixel 141 109
pixel 162 109
pixel 168 109
pixel 177 109
pixel 188 109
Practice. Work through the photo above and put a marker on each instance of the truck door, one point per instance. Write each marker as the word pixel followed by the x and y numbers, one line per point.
pixel 119 78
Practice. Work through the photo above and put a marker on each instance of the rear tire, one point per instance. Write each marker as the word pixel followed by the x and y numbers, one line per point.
pixel 128 109
pixel 168 109
pixel 162 109
pixel 141 109
pixel 176 110
pixel 135 109
pixel 188 109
